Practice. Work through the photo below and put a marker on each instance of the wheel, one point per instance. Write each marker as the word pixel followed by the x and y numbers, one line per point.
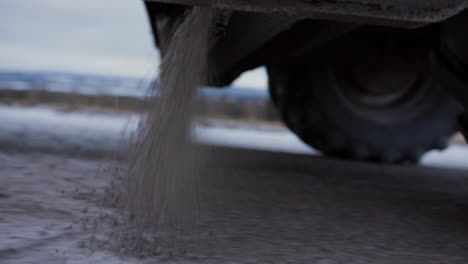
pixel 364 113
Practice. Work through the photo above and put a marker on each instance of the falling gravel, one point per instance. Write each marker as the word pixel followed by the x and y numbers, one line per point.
pixel 161 187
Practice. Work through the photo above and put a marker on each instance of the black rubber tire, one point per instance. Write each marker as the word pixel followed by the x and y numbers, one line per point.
pixel 316 113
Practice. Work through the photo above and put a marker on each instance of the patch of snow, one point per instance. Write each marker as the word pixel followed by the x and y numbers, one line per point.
pixel 45 127
pixel 456 156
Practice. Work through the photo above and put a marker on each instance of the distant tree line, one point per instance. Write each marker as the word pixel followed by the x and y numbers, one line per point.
pixel 227 107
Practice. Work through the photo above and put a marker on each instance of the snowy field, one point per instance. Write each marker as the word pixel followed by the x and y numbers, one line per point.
pixel 43 128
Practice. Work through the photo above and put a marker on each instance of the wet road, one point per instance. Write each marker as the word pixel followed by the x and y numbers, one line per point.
pixel 263 207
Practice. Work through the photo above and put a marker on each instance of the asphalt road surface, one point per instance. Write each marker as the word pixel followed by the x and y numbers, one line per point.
pixel 261 207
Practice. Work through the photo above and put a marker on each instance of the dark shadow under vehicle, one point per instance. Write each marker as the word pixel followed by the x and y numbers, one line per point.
pixel 369 80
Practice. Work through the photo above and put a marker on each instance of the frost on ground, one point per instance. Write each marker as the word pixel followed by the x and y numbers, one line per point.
pixel 46 205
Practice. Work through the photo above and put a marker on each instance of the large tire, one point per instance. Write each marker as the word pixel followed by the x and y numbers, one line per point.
pixel 313 104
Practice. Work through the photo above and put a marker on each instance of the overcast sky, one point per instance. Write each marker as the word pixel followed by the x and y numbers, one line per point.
pixel 109 37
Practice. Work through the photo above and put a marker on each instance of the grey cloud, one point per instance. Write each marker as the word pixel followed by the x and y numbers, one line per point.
pixel 103 36
pixel 90 36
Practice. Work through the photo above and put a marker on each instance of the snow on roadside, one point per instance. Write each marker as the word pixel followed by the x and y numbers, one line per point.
pixel 42 127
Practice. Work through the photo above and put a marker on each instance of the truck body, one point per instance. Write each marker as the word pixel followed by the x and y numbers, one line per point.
pixel 356 79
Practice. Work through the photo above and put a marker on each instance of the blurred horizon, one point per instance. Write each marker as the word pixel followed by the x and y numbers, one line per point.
pixel 106 37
